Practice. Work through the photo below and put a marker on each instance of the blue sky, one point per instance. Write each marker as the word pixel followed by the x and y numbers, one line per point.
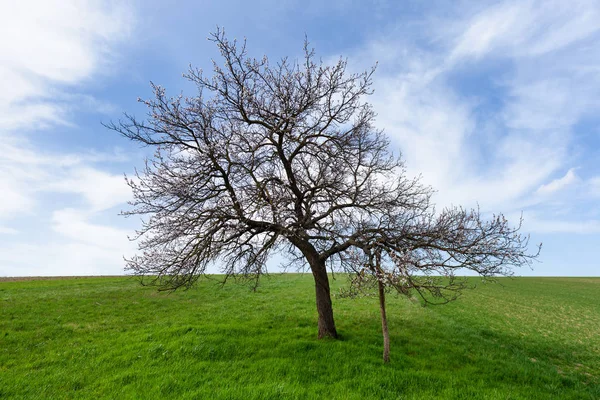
pixel 494 103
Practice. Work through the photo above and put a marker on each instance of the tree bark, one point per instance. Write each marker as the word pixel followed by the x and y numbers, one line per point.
pixel 384 324
pixel 323 295
pixel 322 291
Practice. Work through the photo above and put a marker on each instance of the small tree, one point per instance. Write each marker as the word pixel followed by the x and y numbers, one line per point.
pixel 420 257
pixel 273 158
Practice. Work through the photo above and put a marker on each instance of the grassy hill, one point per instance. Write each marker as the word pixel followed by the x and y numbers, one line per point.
pixel 527 338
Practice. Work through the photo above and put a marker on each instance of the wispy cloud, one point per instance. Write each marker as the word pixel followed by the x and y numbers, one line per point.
pixel 544 225
pixel 8 231
pixel 489 101
pixel 559 184
pixel 30 173
pixel 47 45
pixel 502 155
pixel 526 28
pixel 48 50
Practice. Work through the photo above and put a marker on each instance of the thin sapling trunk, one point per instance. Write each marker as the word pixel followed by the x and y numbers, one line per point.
pixel 384 324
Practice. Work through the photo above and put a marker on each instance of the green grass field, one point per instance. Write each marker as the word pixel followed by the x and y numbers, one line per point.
pixel 526 338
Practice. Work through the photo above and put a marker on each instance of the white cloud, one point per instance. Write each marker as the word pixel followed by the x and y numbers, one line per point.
pixel 542 225
pixel 502 158
pixel 59 258
pixel 431 125
pixel 45 44
pixel 101 190
pixel 559 184
pixel 28 174
pixel 48 50
pixel 490 29
pixel 505 158
pixel 63 41
pixel 75 225
pixel 14 198
pixel 70 238
pixel 77 247
pixel 527 28
pixel 8 231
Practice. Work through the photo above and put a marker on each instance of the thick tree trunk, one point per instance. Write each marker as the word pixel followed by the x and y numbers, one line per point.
pixel 324 307
pixel 322 291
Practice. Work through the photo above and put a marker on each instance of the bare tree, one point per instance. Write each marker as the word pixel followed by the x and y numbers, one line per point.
pixel 272 158
pixel 420 257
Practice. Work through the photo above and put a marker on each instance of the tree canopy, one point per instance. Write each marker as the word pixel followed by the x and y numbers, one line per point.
pixel 285 158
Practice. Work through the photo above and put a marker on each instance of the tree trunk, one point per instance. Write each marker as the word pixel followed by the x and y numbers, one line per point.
pixel 384 324
pixel 322 291
pixel 324 307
